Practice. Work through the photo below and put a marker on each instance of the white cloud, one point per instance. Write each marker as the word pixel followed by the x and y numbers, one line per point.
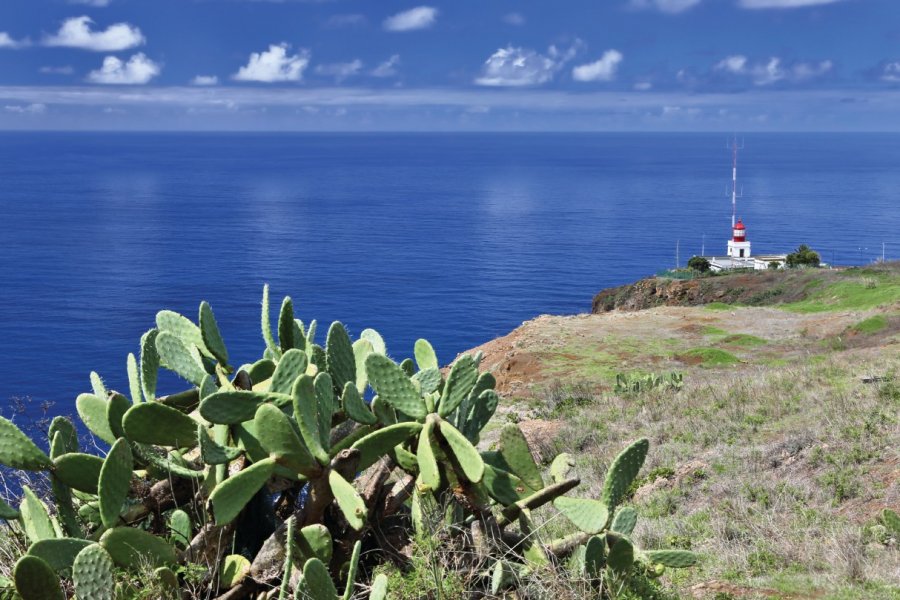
pixel 666 6
pixel 274 65
pixel 891 72
pixel 29 109
pixel 138 70
pixel 643 86
pixel 515 67
pixel 736 63
pixel 205 80
pixel 514 18
pixel 420 17
pixel 388 68
pixel 76 33
pixel 603 69
pixel 65 70
pixel 773 70
pixel 783 3
pixel 94 3
pixel 7 41
pixel 341 71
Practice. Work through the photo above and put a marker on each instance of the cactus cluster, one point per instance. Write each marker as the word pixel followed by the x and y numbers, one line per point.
pixel 291 476
pixel 635 384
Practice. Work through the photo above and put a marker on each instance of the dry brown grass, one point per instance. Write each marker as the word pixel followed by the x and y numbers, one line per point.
pixel 775 476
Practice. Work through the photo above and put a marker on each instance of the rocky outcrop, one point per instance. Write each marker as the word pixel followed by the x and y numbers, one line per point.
pixel 758 288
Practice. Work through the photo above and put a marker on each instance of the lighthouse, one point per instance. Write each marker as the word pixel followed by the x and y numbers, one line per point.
pixel 739 245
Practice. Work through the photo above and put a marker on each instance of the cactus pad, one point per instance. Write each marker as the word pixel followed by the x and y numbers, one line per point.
pixel 278 436
pixel 378 443
pixel 59 553
pixel 291 365
pixel 158 424
pixel 676 559
pixel 306 411
pixel 425 355
pixel 590 516
pixel 466 455
pixel 622 472
pixel 134 379
pixel 348 500
pixel 212 453
pixel 624 520
pixel 35 517
pixel 460 381
pixel 354 406
pixel 233 407
pixel 18 451
pixel 429 476
pixel 316 583
pixel 133 548
pixel 79 471
pixel 515 451
pixel 92 410
pixel 115 481
pixel 209 333
pixel 621 556
pixel 229 497
pixel 393 386
pixel 339 357
pixel 234 569
pixel 180 358
pixel 149 364
pixel 35 580
pixel 560 467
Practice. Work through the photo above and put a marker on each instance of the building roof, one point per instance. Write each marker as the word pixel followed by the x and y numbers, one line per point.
pixel 740 225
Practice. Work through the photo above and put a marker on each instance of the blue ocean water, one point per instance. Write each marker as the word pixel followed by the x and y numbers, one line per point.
pixel 456 238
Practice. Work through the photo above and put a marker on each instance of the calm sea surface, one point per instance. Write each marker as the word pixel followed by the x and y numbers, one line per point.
pixel 456 238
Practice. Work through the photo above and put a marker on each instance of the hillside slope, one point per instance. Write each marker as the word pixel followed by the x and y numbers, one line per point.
pixel 776 457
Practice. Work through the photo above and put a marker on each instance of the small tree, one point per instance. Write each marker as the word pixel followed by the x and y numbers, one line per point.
pixel 804 256
pixel 773 265
pixel 698 263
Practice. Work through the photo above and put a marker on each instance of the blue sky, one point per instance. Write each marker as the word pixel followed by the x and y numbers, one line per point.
pixel 350 65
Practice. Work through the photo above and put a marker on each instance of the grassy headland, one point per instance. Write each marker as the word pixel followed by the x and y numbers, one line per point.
pixel 775 458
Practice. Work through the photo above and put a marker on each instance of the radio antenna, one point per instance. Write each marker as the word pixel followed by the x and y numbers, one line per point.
pixel 734 192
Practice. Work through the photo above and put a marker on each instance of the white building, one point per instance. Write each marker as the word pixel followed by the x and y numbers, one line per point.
pixel 738 255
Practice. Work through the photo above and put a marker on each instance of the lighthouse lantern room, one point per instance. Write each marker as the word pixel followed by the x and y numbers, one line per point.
pixel 739 245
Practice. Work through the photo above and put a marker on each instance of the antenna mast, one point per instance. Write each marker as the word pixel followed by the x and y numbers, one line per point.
pixel 734 154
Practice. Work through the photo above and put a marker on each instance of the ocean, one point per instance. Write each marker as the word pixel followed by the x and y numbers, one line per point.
pixel 457 238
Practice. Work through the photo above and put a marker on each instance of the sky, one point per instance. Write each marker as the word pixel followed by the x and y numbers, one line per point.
pixel 466 65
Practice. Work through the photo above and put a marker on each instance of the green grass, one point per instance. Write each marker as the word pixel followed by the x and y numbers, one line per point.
pixel 718 306
pixel 710 330
pixel 743 339
pixel 858 293
pixel 871 325
pixel 712 357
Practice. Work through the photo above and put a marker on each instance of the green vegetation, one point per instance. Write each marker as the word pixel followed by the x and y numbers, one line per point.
pixel 198 493
pixel 743 339
pixel 860 290
pixel 718 306
pixel 711 357
pixel 871 325
pixel 710 330
pixel 699 264
pixel 804 256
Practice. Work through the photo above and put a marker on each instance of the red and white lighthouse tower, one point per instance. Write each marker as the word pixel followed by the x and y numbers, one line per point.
pixel 739 245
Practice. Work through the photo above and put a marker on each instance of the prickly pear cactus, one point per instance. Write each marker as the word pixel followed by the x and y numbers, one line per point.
pixel 276 473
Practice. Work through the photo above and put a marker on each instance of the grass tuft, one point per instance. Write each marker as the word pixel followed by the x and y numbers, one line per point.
pixel 870 325
pixel 710 357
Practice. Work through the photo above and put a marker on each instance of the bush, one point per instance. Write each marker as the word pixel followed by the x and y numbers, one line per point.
pixel 804 256
pixel 699 264
pixel 247 480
